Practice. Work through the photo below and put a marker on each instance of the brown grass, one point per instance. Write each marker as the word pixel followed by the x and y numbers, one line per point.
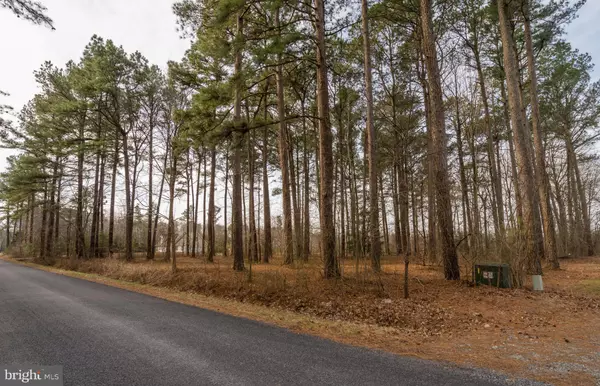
pixel 550 336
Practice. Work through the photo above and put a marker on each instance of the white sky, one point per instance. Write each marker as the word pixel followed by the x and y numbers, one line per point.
pixel 144 25
pixel 147 26
pixel 584 31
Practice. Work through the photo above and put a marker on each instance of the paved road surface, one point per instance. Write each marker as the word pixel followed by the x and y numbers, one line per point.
pixel 108 336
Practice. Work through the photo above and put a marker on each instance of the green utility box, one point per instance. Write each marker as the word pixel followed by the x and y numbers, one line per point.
pixel 494 274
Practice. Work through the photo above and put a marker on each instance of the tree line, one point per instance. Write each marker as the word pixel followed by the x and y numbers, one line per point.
pixel 413 128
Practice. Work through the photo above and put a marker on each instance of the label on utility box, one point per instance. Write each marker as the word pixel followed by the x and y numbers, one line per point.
pixel 494 274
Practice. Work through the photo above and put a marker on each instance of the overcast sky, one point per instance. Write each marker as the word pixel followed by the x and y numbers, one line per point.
pixel 144 25
pixel 147 26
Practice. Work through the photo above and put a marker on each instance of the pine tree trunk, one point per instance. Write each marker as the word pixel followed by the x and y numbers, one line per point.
pixel 403 202
pixel 225 225
pixel 306 223
pixel 8 229
pixel 95 200
pixel 353 196
pixel 563 227
pixel 531 228
pixel 196 205
pixel 157 211
pixel 511 150
pixel 476 230
pixel 467 223
pixel 331 268
pixel 43 227
pixel 128 201
pixel 149 252
pixel 371 144
pixel 170 251
pixel 318 171
pixel 187 196
pixel 439 143
pixel 252 237
pixel 259 246
pixel 32 218
pixel 100 252
pixel 21 227
pixel 268 246
pixel 211 206
pixel 52 212
pixel 134 183
pixel 245 222
pixel 342 180
pixel 203 250
pixel 365 175
pixel 111 216
pixel 431 244
pixel 396 206
pixel 57 206
pixel 422 207
pixel 288 243
pixel 69 256
pixel 80 240
pixel 582 208
pixel 338 243
pixel 415 218
pixel 543 185
pixel 563 224
pixel 238 231
pixel 27 219
pixel 497 205
pixel 295 206
pixel 386 235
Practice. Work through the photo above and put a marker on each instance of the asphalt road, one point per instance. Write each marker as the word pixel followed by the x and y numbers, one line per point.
pixel 108 336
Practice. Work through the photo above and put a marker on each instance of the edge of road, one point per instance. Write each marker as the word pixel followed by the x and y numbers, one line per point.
pixel 349 333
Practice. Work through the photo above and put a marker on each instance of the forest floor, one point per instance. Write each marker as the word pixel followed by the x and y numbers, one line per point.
pixel 551 336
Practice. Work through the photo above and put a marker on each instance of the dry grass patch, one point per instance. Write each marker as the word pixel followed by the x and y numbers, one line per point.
pixel 591 286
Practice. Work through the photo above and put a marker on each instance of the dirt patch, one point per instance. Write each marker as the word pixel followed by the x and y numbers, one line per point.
pixel 550 336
